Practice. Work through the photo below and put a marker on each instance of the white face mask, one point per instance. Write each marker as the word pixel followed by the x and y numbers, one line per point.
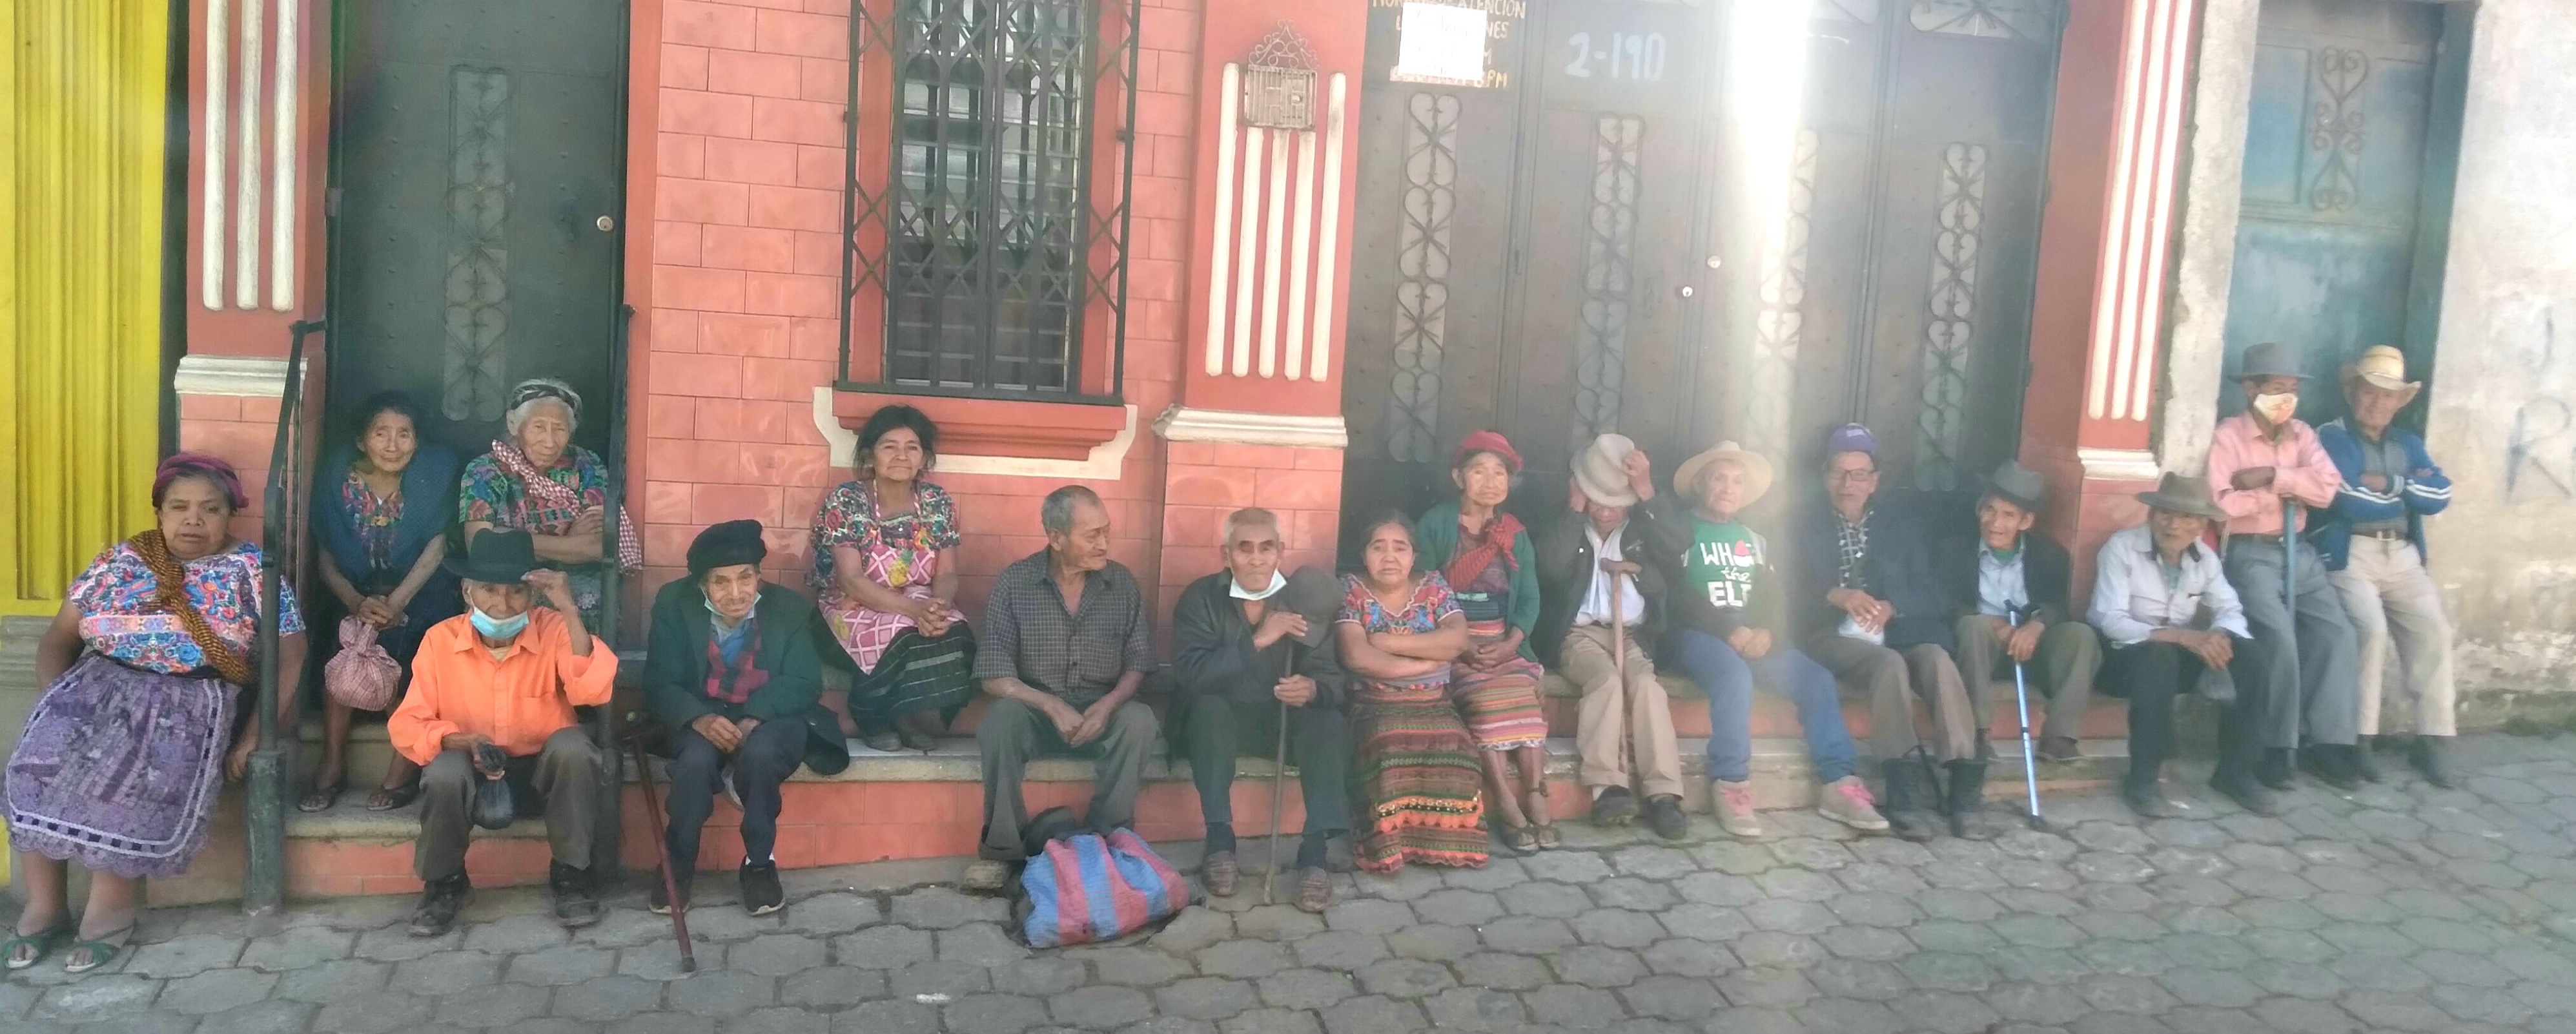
pixel 2277 407
pixel 1278 581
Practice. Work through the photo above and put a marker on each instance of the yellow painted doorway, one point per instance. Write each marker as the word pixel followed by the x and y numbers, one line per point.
pixel 82 99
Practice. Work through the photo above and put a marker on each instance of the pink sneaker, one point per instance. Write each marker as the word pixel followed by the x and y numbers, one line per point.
pixel 1733 802
pixel 1847 801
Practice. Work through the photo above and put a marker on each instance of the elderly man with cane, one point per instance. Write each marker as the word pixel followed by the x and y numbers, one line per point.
pixel 734 675
pixel 2175 626
pixel 1258 672
pixel 2014 621
pixel 2264 464
pixel 1602 577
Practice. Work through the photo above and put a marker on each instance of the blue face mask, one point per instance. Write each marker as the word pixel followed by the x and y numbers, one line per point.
pixel 500 629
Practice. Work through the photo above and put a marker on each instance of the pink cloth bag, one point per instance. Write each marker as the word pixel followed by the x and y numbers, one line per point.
pixel 363 675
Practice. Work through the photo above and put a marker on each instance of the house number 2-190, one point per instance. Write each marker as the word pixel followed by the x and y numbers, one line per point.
pixel 1629 56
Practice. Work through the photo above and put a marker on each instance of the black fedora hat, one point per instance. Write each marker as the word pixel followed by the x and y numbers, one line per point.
pixel 498 555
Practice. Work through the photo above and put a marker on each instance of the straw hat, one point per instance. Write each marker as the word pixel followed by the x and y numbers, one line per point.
pixel 1757 471
pixel 2382 367
pixel 1601 471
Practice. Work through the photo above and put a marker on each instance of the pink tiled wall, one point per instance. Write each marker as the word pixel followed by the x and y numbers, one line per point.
pixel 746 265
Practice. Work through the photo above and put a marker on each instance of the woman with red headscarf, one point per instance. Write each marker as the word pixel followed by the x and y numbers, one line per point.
pixel 1485 555
pixel 123 754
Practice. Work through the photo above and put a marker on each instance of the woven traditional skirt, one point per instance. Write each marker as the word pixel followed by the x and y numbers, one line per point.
pixel 1500 706
pixel 119 768
pixel 916 673
pixel 1420 777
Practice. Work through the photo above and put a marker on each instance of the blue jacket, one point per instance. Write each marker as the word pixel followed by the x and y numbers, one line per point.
pixel 2422 492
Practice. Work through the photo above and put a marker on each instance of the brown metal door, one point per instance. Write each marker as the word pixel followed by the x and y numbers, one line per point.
pixel 1924 151
pixel 474 237
pixel 1530 253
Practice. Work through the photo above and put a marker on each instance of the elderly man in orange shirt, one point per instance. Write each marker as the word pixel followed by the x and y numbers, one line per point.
pixel 491 699
pixel 2265 464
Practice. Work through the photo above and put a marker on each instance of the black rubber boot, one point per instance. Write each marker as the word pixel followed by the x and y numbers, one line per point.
pixel 2145 792
pixel 2275 769
pixel 1907 794
pixel 2363 765
pixel 2431 756
pixel 1966 803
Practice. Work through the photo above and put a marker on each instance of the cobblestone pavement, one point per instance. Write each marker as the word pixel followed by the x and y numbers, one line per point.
pixel 2398 908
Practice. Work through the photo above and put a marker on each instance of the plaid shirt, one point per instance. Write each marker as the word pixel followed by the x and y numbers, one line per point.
pixel 1078 655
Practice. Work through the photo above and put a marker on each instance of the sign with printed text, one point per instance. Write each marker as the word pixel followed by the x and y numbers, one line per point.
pixel 1441 44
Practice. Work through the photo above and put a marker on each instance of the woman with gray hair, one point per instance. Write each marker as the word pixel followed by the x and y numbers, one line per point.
pixel 536 480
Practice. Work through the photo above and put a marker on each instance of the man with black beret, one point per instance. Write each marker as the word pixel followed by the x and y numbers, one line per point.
pixel 734 676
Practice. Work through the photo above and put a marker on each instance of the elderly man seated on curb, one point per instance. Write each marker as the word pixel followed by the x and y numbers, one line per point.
pixel 2011 585
pixel 1602 574
pixel 735 678
pixel 2263 462
pixel 2174 624
pixel 491 698
pixel 1252 651
pixel 2372 539
pixel 1064 652
pixel 1873 614
pixel 1728 630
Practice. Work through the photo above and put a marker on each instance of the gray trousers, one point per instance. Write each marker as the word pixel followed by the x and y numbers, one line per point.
pixel 564 776
pixel 2061 671
pixel 1894 680
pixel 1012 733
pixel 2316 689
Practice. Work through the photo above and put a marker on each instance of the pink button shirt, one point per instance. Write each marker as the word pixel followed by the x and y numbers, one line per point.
pixel 2299 465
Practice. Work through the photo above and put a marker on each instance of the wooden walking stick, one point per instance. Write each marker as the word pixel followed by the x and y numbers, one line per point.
pixel 662 856
pixel 1278 789
pixel 1619 669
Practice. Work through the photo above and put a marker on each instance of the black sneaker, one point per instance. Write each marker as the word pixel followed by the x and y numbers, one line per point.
pixel 760 891
pixel 1664 816
pixel 576 901
pixel 661 901
pixel 439 903
pixel 2363 764
pixel 1615 806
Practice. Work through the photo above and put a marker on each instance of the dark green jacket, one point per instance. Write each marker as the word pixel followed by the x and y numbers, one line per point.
pixel 676 668
pixel 1437 532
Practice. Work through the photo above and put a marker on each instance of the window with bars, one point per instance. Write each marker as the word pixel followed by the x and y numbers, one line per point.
pixel 981 236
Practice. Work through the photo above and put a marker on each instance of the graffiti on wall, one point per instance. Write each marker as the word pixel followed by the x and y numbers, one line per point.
pixel 2540 453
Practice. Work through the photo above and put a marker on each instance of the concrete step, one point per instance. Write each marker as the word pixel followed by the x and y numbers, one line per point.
pixel 904 805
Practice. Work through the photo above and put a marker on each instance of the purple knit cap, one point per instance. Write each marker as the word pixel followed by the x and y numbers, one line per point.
pixel 1851 438
pixel 198 464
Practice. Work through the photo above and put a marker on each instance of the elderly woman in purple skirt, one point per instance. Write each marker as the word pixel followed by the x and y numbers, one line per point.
pixel 124 753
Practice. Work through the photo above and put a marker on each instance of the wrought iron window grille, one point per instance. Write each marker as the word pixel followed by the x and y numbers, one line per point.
pixel 986 198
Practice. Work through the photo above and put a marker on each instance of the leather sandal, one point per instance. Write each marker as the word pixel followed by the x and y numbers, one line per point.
pixel 323 795
pixel 101 951
pixel 390 798
pixel 1520 839
pixel 43 941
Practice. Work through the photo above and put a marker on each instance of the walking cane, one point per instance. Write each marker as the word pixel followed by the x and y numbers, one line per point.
pixel 1619 668
pixel 1279 785
pixel 662 857
pixel 2021 698
pixel 2290 597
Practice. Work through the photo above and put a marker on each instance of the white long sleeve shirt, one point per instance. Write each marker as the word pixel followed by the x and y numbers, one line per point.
pixel 2134 593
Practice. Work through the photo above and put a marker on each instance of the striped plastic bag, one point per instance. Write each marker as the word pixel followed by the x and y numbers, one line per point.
pixel 1086 889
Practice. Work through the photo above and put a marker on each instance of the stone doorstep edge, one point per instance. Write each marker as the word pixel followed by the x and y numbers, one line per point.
pixel 1775 761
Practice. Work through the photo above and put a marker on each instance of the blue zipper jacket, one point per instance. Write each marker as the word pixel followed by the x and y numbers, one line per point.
pixel 2419 493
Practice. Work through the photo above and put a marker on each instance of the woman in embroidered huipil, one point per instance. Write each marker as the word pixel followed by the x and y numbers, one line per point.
pixel 538 481
pixel 123 755
pixel 885 569
pixel 1487 557
pixel 380 513
pixel 1397 631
